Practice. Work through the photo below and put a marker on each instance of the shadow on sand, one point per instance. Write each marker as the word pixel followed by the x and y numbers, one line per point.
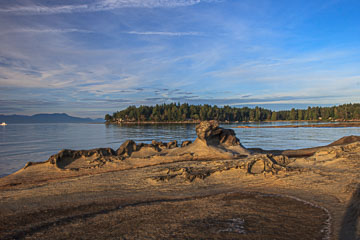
pixel 351 217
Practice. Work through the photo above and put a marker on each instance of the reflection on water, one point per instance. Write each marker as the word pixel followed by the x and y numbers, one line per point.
pixel 20 143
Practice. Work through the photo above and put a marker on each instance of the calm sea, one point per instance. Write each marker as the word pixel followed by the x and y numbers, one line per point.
pixel 20 143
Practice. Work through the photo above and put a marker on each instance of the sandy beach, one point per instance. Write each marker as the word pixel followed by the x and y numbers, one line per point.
pixel 212 188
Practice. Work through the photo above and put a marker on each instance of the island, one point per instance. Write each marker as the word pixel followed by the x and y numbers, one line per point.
pixel 211 188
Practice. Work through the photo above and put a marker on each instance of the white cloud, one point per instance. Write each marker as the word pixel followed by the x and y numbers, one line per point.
pixel 100 5
pixel 112 4
pixel 314 68
pixel 39 9
pixel 45 30
pixel 175 34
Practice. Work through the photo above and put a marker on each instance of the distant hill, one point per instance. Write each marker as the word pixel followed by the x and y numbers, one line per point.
pixel 47 118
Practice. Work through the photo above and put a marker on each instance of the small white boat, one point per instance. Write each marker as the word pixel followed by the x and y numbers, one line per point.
pixel 3 124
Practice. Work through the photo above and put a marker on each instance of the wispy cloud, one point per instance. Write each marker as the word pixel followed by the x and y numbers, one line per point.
pixel 45 30
pixel 172 34
pixel 294 97
pixel 123 52
pixel 103 5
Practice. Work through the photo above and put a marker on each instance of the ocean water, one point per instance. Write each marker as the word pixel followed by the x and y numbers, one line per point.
pixel 21 143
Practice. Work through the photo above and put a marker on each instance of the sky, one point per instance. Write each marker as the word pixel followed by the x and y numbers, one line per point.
pixel 92 57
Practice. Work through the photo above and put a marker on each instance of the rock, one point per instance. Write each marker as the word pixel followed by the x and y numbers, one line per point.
pixel 210 133
pixel 126 148
pixel 172 145
pixel 345 140
pixel 266 163
pixel 185 143
pixel 257 167
pixel 102 152
pixel 28 164
pixel 307 152
pixel 228 138
pixel 159 145
pixel 74 154
pixel 281 159
pixel 206 129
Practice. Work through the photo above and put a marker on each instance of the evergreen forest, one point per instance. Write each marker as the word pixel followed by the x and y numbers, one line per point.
pixel 176 112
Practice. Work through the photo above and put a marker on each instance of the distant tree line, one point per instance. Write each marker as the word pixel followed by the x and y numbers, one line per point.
pixel 184 112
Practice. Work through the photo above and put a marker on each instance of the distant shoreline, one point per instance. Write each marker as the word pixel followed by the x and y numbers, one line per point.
pixel 325 125
pixel 339 123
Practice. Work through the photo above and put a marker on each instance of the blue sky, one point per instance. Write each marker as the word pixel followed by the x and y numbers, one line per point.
pixel 92 57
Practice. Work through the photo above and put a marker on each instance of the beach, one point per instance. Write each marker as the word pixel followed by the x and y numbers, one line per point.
pixel 211 188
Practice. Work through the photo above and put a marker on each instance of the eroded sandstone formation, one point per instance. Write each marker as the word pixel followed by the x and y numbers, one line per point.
pixel 212 141
pixel 210 133
pixel 95 157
